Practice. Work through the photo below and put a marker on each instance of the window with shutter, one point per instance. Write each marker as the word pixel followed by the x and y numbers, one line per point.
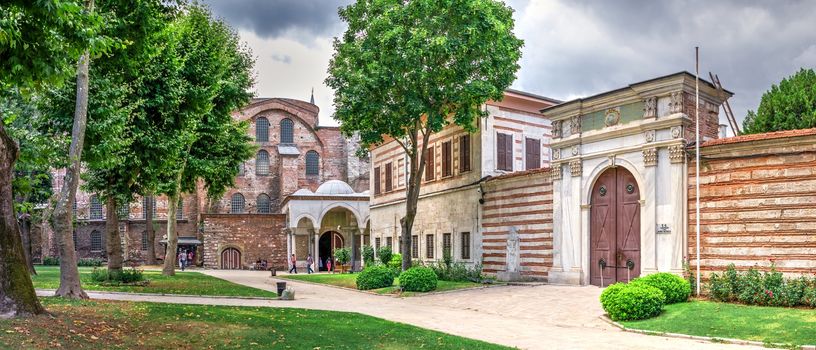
pixel 377 188
pixel 430 172
pixel 447 247
pixel 464 153
pixel 389 177
pixel 415 247
pixel 446 159
pixel 532 151
pixel 465 245
pixel 429 246
pixel 504 152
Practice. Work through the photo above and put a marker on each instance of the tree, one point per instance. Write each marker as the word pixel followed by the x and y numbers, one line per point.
pixel 787 106
pixel 37 40
pixel 208 145
pixel 405 69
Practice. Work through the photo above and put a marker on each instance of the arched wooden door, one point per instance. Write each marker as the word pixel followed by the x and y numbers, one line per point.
pixel 614 228
pixel 231 259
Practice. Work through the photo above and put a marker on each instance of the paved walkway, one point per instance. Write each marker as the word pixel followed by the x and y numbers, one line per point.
pixel 540 317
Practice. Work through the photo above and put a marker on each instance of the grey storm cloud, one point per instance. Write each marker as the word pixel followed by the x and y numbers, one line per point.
pixel 275 18
pixel 577 48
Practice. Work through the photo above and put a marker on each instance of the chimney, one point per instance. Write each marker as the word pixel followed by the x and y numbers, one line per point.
pixel 723 131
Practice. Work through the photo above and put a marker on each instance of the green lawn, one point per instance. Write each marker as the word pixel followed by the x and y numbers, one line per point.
pixel 348 280
pixel 192 283
pixel 724 320
pixel 131 325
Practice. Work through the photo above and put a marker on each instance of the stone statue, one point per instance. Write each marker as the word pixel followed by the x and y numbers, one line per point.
pixel 513 260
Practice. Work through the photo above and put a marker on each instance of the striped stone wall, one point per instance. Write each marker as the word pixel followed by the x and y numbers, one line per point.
pixel 522 200
pixel 758 202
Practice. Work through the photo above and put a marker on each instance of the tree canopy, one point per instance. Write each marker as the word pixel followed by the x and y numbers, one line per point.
pixel 405 69
pixel 787 106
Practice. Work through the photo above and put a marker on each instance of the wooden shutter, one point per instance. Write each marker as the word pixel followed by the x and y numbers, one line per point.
pixel 500 161
pixel 504 152
pixel 464 153
pixel 389 177
pixel 430 167
pixel 377 188
pixel 532 153
pixel 446 159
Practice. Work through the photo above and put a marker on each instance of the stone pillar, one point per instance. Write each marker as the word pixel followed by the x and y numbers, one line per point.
pixel 353 248
pixel 649 212
pixel 558 241
pixel 678 199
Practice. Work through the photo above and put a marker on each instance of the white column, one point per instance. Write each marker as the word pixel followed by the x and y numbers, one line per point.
pixel 316 251
pixel 648 215
pixel 678 202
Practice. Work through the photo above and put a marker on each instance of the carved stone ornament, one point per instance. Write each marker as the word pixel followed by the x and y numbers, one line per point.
pixel 650 135
pixel 575 125
pixel 676 102
pixel 556 128
pixel 612 117
pixel 576 167
pixel 556 154
pixel 650 156
pixel 677 154
pixel 650 107
pixel 675 131
pixel 575 150
pixel 555 173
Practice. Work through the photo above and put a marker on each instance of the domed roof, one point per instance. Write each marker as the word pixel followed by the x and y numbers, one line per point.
pixel 334 187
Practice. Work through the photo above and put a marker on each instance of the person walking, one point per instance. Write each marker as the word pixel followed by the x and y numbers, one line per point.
pixel 182 260
pixel 294 264
pixel 190 258
pixel 329 264
pixel 309 262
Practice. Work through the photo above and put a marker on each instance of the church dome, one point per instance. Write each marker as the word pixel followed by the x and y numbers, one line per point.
pixel 334 187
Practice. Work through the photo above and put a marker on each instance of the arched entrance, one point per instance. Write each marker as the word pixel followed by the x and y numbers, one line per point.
pixel 231 259
pixel 614 228
pixel 329 241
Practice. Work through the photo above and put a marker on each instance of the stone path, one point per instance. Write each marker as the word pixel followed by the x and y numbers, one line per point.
pixel 540 317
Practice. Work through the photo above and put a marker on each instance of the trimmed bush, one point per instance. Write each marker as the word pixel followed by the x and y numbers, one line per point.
pixel 633 301
pixel 457 272
pixel 126 276
pixel 375 276
pixel 384 254
pixel 368 255
pixel 418 279
pixel 90 262
pixel 675 288
pixel 51 261
pixel 395 262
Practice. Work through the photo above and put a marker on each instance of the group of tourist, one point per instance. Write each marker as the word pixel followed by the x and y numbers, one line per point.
pixel 185 258
pixel 309 263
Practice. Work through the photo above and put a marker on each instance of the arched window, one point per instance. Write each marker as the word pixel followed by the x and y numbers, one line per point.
pixel 144 240
pixel 144 206
pixel 96 241
pixel 263 204
pixel 180 210
pixel 237 203
pixel 262 130
pixel 287 130
pixel 96 208
pixel 312 163
pixel 262 163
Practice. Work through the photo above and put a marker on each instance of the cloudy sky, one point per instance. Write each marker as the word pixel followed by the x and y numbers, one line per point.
pixel 572 48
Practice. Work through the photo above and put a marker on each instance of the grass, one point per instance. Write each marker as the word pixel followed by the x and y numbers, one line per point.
pixel 137 325
pixel 724 320
pixel 191 283
pixel 348 280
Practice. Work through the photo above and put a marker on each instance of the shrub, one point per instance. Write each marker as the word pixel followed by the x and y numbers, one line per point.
pixel 368 255
pixel 90 262
pixel 130 275
pixel 395 262
pixel 418 279
pixel 809 294
pixel 342 255
pixel 633 301
pixel 375 276
pixel 51 261
pixel 457 272
pixel 675 288
pixel 384 254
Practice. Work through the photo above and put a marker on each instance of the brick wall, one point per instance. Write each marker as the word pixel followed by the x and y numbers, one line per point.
pixel 758 202
pixel 522 200
pixel 256 236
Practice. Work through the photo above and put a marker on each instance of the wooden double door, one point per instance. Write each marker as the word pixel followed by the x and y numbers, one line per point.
pixel 231 259
pixel 614 228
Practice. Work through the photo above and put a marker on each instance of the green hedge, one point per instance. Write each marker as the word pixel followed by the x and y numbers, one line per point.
pixel 418 279
pixel 55 261
pixel 753 287
pixel 375 276
pixel 633 301
pixel 125 276
pixel 675 288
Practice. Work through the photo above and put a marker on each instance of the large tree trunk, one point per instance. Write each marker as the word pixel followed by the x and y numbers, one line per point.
pixel 17 296
pixel 114 241
pixel 151 234
pixel 63 226
pixel 169 268
pixel 25 234
pixel 416 155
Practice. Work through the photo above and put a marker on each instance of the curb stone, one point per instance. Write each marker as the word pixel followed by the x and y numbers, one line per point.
pixel 606 319
pixel 167 295
pixel 390 294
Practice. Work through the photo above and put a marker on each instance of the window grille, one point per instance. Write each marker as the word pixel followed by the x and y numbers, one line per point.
pixel 262 163
pixel 262 130
pixel 312 163
pixel 263 204
pixel 237 203
pixel 287 130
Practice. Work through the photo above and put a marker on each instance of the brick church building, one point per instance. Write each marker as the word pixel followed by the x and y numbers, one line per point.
pixel 294 152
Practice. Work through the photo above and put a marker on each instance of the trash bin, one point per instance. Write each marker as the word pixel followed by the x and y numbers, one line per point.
pixel 274 272
pixel 281 287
